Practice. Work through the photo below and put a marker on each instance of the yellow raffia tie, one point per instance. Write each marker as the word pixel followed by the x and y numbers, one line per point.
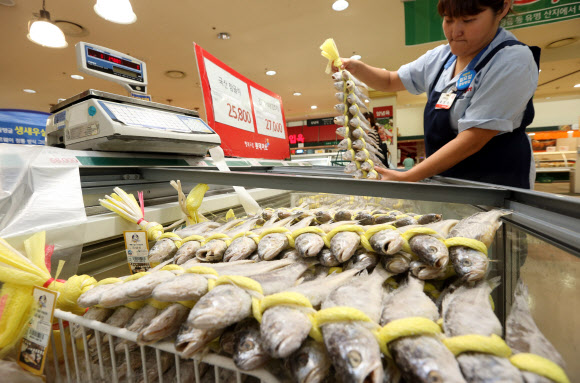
pixel 193 202
pixel 401 328
pixel 157 304
pixel 188 304
pixel 194 237
pixel 135 276
pixel 221 236
pixel 467 242
pixel 407 235
pixel 251 286
pixel 352 228
pixel 108 281
pixel 230 215
pixel 493 345
pixel 334 315
pixel 20 273
pixel 176 238
pixel 540 366
pixel 249 234
pixel 279 230
pixel 365 238
pixel 330 51
pixel 334 270
pixel 135 305
pixel 172 268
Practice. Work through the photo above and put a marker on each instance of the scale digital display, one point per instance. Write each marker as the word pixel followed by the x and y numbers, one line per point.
pixel 113 59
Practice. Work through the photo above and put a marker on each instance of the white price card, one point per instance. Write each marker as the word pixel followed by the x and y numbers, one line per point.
pixel 231 99
pixel 34 344
pixel 268 112
pixel 137 249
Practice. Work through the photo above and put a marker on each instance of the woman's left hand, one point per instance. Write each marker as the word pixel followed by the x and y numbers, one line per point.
pixel 393 175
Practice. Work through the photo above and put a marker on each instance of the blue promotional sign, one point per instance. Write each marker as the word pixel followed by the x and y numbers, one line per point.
pixel 465 79
pixel 22 126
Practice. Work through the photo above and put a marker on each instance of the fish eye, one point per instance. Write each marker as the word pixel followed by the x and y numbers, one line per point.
pixel 354 358
pixel 466 263
pixel 302 359
pixel 247 345
pixel 434 377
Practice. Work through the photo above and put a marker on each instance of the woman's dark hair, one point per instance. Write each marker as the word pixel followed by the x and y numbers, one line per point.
pixel 461 8
pixel 369 115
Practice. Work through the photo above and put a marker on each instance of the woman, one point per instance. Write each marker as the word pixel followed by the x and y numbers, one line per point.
pixel 375 134
pixel 479 89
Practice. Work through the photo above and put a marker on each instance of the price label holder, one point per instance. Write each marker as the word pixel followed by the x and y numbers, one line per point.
pixel 34 344
pixel 254 162
pixel 137 249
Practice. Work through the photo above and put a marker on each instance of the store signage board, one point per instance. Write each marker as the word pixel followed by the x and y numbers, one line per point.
pixel 383 111
pixel 320 121
pixel 249 118
pixel 423 23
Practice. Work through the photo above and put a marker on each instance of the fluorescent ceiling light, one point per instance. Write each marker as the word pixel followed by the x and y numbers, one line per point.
pixel 44 32
pixel 116 11
pixel 270 72
pixel 340 5
pixel 356 57
pixel 313 107
pixel 77 77
pixel 297 94
pixel 577 86
pixel 29 90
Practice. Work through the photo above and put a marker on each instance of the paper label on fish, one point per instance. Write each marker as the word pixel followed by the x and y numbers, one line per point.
pixel 269 120
pixel 231 98
pixel 137 249
pixel 34 344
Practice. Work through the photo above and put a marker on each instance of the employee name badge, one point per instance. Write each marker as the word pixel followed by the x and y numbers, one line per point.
pixel 445 101
pixel 34 344
pixel 137 249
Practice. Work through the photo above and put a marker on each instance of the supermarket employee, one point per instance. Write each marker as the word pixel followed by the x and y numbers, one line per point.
pixel 479 89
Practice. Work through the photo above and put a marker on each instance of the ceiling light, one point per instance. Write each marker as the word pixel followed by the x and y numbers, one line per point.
pixel 356 57
pixel 340 5
pixel 224 36
pixel 577 86
pixel 29 90
pixel 270 72
pixel 297 94
pixel 43 32
pixel 367 101
pixel 77 77
pixel 539 71
pixel 562 42
pixel 176 74
pixel 531 134
pixel 313 107
pixel 116 11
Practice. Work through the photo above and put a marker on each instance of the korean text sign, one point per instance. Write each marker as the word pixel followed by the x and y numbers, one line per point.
pixel 249 118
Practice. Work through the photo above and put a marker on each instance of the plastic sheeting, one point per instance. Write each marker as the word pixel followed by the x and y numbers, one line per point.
pixel 22 126
pixel 40 189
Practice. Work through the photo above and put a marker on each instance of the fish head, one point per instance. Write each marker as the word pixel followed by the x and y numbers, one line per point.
pixel 326 258
pixel 310 364
pixel 430 250
pixel 248 351
pixel 283 329
pixel 212 251
pixel 397 263
pixel 309 244
pixel 469 264
pixel 344 244
pixel 365 218
pixel 271 245
pixel 221 307
pixel 239 249
pixel 387 242
pixel 354 352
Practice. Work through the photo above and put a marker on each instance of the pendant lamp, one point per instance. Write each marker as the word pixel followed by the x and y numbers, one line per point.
pixel 44 32
pixel 116 11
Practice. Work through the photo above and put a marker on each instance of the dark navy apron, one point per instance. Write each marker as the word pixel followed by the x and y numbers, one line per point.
pixel 504 160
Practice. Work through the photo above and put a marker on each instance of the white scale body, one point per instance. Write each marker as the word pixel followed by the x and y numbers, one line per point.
pixel 95 120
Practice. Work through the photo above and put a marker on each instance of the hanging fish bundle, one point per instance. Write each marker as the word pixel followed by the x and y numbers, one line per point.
pixel 360 148
pixel 349 302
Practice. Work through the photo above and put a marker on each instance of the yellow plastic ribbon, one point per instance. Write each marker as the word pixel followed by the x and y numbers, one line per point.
pixel 401 328
pixel 467 242
pixel 330 51
pixel 176 238
pixel 540 366
pixel 493 345
pixel 193 202
pixel 221 236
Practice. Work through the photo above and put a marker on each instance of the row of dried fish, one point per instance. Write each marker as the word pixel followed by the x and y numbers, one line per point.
pixel 360 148
pixel 226 312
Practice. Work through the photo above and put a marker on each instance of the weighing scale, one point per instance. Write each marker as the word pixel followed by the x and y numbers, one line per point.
pixel 95 120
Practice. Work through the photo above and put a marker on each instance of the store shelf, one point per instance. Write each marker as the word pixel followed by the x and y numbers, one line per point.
pixel 553 153
pixel 553 170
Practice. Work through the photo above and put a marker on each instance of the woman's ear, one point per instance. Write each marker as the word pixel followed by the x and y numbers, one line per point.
pixel 507 5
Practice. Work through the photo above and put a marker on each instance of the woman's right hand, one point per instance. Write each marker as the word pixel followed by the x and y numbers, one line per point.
pixel 350 65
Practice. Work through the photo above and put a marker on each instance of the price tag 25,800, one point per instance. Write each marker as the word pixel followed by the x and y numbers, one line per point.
pixel 34 344
pixel 137 249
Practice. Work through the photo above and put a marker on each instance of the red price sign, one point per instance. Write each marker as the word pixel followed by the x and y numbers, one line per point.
pixel 249 118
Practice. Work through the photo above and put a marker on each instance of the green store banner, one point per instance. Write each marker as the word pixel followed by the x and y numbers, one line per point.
pixel 423 23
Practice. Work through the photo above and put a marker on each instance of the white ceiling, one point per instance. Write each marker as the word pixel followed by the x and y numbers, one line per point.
pixel 283 35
